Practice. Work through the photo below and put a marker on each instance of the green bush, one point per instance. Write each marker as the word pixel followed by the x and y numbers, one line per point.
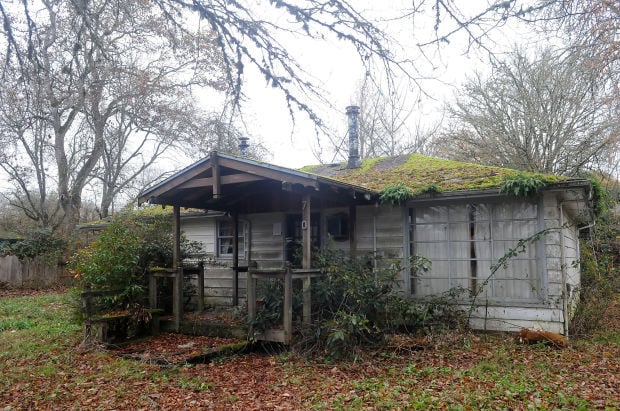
pixel 600 279
pixel 120 257
pixel 112 262
pixel 36 243
pixel 358 302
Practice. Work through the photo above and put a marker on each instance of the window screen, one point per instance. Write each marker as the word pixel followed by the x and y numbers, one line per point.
pixel 463 241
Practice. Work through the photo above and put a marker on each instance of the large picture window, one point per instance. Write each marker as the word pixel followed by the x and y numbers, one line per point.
pixel 225 239
pixel 463 241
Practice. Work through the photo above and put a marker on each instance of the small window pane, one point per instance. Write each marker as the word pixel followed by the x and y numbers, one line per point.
pixel 431 215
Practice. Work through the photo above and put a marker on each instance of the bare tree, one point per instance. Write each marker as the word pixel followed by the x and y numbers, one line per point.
pixel 546 115
pixel 217 131
pixel 387 123
pixel 83 65
pixel 26 154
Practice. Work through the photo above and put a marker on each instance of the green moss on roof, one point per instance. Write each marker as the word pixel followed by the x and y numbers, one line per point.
pixel 418 172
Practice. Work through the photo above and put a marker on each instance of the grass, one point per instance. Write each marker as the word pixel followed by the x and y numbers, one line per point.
pixel 41 368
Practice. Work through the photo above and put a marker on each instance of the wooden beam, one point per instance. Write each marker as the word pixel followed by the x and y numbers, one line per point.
pixel 251 299
pixel 177 288
pixel 201 286
pixel 180 179
pixel 268 173
pixel 307 300
pixel 152 291
pixel 287 317
pixel 235 258
pixel 227 179
pixel 306 232
pixel 216 176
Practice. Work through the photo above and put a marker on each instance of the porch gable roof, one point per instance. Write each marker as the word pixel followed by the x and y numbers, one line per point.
pixel 226 182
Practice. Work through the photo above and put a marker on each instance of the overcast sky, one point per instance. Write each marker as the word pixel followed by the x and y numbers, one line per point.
pixel 336 67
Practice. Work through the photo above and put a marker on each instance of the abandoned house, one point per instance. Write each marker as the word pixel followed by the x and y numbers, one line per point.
pixel 263 218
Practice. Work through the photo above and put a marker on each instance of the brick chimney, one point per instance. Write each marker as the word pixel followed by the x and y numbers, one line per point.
pixel 354 141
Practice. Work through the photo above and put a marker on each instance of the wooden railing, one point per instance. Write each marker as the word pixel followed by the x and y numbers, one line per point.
pixel 285 334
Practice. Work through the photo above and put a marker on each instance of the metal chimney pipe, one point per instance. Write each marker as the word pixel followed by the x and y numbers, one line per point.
pixel 354 141
pixel 243 146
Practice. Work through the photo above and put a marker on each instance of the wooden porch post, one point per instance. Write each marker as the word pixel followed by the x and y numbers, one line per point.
pixel 201 286
pixel 288 305
pixel 306 236
pixel 177 288
pixel 152 290
pixel 235 259
pixel 251 296
pixel 307 260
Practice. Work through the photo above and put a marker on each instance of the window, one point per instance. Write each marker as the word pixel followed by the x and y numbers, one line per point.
pixel 463 241
pixel 338 226
pixel 225 239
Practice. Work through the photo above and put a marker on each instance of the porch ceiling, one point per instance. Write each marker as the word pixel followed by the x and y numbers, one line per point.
pixel 227 183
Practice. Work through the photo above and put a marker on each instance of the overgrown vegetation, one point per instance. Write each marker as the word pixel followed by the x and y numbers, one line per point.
pixel 600 279
pixel 521 185
pixel 356 303
pixel 37 243
pixel 395 194
pixel 122 254
pixel 40 368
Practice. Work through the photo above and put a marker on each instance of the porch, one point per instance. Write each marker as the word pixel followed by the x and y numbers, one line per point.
pixel 241 187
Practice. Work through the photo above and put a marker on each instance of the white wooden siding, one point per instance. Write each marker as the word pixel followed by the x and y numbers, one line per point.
pixel 202 229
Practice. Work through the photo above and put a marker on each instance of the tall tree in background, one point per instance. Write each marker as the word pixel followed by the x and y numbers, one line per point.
pixel 386 122
pixel 25 137
pixel 217 131
pixel 547 114
pixel 135 148
pixel 87 66
pixel 384 115
pixel 387 125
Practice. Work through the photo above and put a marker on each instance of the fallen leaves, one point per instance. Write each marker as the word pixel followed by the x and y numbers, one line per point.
pixel 470 372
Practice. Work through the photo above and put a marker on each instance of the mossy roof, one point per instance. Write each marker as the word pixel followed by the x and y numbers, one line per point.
pixel 418 172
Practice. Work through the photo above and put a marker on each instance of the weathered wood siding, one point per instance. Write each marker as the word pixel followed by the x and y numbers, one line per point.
pixel 267 236
pixel 219 278
pixel 569 238
pixel 380 231
pixel 34 273
pixel 219 286
pixel 383 231
pixel 513 318
pixel 549 313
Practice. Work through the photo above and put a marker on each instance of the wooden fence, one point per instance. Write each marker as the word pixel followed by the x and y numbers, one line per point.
pixel 31 273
